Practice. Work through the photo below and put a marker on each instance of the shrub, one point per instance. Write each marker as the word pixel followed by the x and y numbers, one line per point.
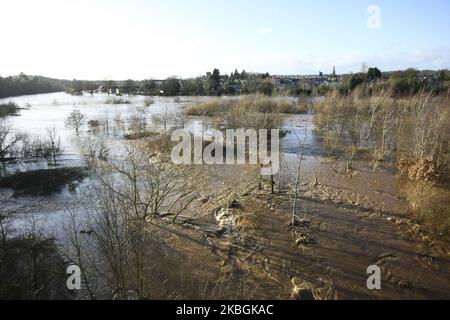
pixel 117 101
pixel 429 205
pixel 94 123
pixel 8 109
pixel 412 132
pixel 209 108
pixel 249 103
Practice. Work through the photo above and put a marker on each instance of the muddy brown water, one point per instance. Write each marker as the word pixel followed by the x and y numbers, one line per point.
pixel 354 219
pixel 346 242
pixel 346 238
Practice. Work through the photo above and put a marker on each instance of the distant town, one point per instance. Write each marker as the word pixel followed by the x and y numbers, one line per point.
pixel 236 83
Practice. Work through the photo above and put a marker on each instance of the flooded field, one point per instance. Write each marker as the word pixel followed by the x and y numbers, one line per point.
pixel 38 113
pixel 351 216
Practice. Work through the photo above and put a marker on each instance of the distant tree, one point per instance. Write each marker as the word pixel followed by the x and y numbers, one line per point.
pixel 149 86
pixel 23 76
pixel 236 74
pixel 128 86
pixel 251 84
pixel 192 87
pixel 405 82
pixel 199 87
pixel 77 87
pixel 91 87
pixel 75 120
pixel 55 147
pixel 108 85
pixel 171 87
pixel 266 88
pixel 229 87
pixel 442 75
pixel 373 74
pixel 23 84
pixel 356 80
pixel 214 83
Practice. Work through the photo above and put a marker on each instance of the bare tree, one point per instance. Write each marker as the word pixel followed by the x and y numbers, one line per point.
pixel 138 122
pixel 8 142
pixel 162 120
pixel 4 217
pixel 54 144
pixel 300 155
pixel 75 120
pixel 137 194
pixel 78 253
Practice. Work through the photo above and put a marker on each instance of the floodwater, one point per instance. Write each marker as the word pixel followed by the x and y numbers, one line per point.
pixel 45 111
pixel 39 113
pixel 356 217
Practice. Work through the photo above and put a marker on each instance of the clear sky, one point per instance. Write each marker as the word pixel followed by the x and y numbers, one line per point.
pixel 118 39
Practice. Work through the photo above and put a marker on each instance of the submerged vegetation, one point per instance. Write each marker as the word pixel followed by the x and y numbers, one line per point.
pixel 17 146
pixel 245 111
pixel 8 109
pixel 411 133
pixel 252 111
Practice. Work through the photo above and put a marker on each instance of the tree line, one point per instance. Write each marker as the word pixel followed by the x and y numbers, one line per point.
pixel 401 83
pixel 23 85
pixel 211 84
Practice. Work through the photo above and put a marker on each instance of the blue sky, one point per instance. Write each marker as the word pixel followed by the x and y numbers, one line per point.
pixel 99 39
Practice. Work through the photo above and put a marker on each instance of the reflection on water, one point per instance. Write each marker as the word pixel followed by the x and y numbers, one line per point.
pixel 301 131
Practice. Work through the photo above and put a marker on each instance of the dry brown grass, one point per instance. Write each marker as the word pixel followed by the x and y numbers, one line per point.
pixel 209 108
pixel 248 103
pixel 429 204
pixel 250 111
pixel 412 133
